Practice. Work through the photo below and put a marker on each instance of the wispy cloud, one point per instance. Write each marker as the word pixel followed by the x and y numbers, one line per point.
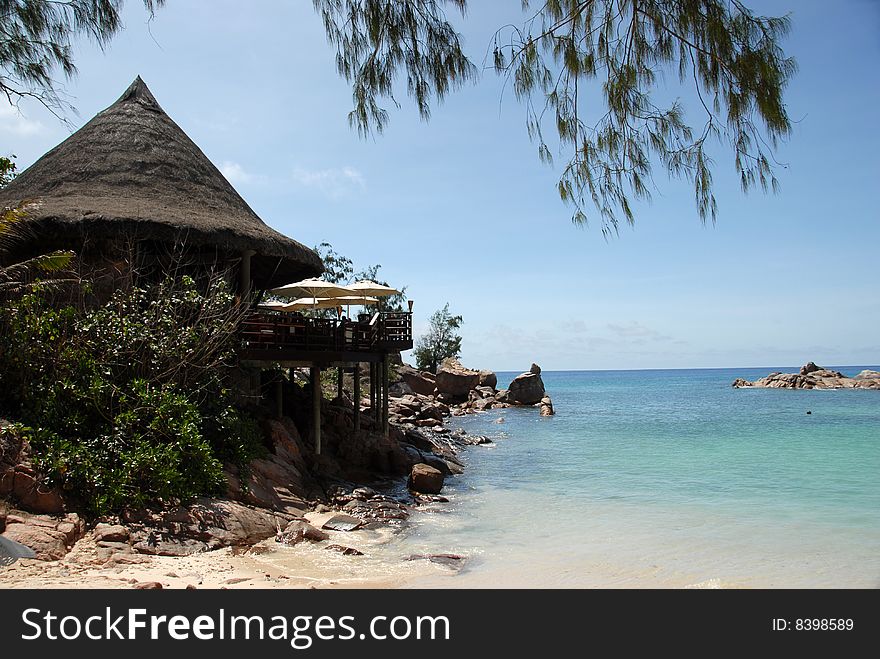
pixel 14 123
pixel 236 174
pixel 635 332
pixel 334 182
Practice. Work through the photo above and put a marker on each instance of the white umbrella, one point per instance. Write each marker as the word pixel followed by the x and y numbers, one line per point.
pixel 313 288
pixel 372 288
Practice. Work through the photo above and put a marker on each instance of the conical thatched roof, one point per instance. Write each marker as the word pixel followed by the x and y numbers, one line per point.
pixel 132 171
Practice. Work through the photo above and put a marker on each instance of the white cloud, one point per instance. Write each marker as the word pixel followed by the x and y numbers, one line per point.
pixel 13 122
pixel 334 183
pixel 235 173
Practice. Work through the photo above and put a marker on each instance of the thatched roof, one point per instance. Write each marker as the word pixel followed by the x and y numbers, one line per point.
pixel 132 171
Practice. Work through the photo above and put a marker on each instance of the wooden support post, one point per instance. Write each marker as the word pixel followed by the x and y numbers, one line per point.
pixel 316 407
pixel 244 275
pixel 385 395
pixel 357 396
pixel 373 391
pixel 279 396
pixel 340 375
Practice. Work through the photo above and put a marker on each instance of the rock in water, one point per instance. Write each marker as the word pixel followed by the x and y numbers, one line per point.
pixel 298 531
pixel 808 368
pixel 342 523
pixel 535 369
pixel 526 389
pixel 488 379
pixel 425 479
pixel 547 406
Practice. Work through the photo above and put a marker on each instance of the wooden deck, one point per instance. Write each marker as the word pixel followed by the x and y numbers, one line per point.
pixel 284 336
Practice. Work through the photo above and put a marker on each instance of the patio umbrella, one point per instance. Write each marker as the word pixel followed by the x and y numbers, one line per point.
pixel 276 305
pixel 372 288
pixel 313 288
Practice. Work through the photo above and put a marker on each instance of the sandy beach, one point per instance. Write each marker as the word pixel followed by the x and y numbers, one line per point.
pixel 265 565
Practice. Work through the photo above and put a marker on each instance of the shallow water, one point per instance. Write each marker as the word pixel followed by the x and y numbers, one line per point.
pixel 660 479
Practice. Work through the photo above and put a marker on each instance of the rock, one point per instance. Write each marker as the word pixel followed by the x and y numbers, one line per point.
pixel 420 382
pixel 534 369
pixel 815 378
pixel 345 551
pixel 342 523
pixel 547 406
pixel 148 585
pixel 298 531
pixel 47 544
pixel 451 560
pixel 33 496
pixel 425 479
pixel 455 380
pixel 525 389
pixel 868 375
pixel 488 379
pixel 110 533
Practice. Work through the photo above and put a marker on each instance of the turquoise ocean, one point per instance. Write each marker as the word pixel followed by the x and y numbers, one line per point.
pixel 665 478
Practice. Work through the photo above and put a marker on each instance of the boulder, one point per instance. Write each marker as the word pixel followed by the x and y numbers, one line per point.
pixel 111 533
pixel 808 368
pixel 547 406
pixel 534 369
pixel 488 379
pixel 46 543
pixel 455 380
pixel 425 479
pixel 525 389
pixel 342 522
pixel 868 375
pixel 299 531
pixel 418 381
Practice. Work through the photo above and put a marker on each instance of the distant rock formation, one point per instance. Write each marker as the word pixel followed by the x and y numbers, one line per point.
pixel 811 376
pixel 526 388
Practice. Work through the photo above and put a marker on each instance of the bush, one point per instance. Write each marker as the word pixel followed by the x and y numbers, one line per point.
pixel 126 403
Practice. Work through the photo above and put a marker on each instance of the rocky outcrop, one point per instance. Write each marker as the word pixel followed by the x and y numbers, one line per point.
pixel 488 379
pixel 299 531
pixel 547 406
pixel 811 376
pixel 425 479
pixel 50 537
pixel 527 388
pixel 455 380
pixel 420 382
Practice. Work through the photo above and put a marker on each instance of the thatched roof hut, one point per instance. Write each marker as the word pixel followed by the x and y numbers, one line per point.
pixel 131 171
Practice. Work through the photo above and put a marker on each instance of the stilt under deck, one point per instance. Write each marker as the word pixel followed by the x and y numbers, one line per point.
pixel 294 341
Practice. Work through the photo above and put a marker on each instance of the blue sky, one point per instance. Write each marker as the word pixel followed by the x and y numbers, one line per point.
pixel 460 210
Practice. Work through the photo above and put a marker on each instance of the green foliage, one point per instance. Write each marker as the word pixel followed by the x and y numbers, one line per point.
pixel 440 341
pixel 36 41
pixel 378 39
pixel 594 73
pixel 127 403
pixel 7 170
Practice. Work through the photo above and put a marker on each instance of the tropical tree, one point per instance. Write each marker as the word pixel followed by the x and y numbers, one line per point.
pixel 440 341
pixel 594 72
pixel 35 42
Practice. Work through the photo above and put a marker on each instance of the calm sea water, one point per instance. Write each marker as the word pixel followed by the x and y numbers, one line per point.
pixel 665 478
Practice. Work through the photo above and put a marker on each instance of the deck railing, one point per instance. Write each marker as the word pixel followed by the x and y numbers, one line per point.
pixel 387 331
